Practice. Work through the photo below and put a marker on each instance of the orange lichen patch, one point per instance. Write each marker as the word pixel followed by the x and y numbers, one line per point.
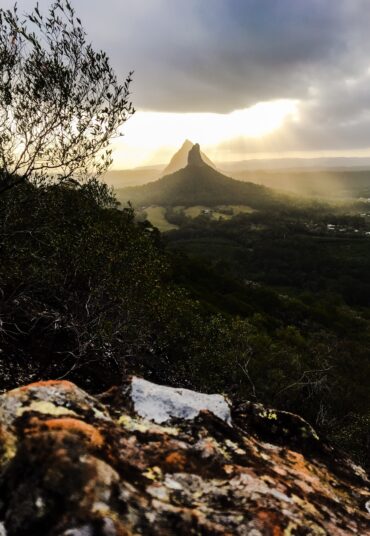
pixel 235 469
pixel 298 462
pixel 176 461
pixel 270 521
pixel 69 386
pixel 230 469
pixel 280 470
pixel 318 478
pixel 68 425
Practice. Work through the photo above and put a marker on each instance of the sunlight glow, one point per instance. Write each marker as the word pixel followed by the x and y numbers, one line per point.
pixel 148 136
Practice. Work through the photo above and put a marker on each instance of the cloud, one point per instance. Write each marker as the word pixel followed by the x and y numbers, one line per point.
pixel 223 55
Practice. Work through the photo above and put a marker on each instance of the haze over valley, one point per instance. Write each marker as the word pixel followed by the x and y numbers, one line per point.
pixel 332 177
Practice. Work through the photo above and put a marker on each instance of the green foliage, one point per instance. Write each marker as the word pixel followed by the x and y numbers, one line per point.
pixel 60 101
pixel 293 305
pixel 79 278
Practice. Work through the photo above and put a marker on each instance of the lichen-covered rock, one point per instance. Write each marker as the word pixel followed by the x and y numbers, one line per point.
pixel 75 465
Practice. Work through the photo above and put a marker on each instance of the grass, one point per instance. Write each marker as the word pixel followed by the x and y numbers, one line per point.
pixel 156 216
pixel 238 209
pixel 194 212
pixel 216 212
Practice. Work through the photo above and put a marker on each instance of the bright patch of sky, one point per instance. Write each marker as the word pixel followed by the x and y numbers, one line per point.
pixel 151 136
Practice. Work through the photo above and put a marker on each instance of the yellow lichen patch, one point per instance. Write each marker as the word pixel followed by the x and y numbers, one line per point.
pixel 99 414
pixel 46 408
pixel 134 425
pixel 8 445
pixel 269 414
pixel 290 530
pixel 153 473
pixel 306 505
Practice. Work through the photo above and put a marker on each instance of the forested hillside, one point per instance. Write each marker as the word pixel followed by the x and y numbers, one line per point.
pixel 90 295
pixel 198 184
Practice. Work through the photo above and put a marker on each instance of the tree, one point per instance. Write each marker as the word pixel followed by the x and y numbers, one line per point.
pixel 60 101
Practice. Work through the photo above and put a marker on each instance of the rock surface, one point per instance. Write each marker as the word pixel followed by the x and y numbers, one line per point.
pixel 76 465
pixel 194 156
pixel 160 404
pixel 180 159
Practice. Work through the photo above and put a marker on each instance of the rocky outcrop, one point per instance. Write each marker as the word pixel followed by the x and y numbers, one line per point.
pixel 194 156
pixel 180 159
pixel 197 183
pixel 142 459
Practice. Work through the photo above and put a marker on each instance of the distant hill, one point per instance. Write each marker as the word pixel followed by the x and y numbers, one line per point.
pixel 281 173
pixel 180 159
pixel 329 184
pixel 197 184
pixel 297 164
pixel 123 178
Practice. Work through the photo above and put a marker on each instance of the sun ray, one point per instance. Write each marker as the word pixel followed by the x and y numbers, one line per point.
pixel 149 135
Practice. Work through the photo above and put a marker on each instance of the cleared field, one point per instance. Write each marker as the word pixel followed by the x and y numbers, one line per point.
pixel 217 215
pixel 194 212
pixel 237 209
pixel 156 216
pixel 216 212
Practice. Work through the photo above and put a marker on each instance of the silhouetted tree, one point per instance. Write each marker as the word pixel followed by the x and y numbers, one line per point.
pixel 60 101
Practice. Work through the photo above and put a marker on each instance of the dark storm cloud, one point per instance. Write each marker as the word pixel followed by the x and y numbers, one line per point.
pixel 222 55
pixel 336 117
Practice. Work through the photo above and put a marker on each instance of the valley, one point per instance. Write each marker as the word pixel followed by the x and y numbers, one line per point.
pixel 293 267
pixel 162 217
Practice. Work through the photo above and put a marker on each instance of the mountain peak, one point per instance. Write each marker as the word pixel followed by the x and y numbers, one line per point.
pixel 181 158
pixel 195 157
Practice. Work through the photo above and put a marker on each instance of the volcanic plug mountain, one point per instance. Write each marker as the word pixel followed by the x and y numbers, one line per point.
pixel 197 184
pixel 180 159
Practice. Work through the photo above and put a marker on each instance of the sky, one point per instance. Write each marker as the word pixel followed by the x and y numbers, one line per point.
pixel 245 78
